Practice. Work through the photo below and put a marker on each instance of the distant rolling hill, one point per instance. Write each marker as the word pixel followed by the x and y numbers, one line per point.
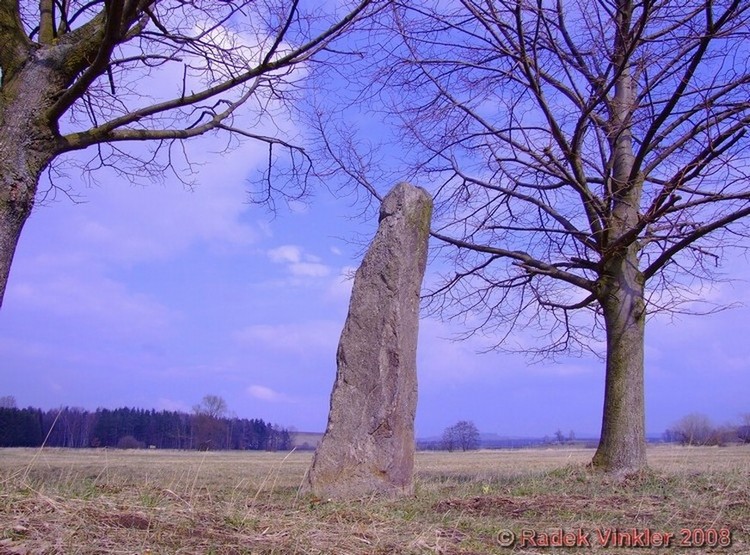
pixel 310 440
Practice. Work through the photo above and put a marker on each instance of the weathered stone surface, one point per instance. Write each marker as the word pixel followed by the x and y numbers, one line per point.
pixel 368 447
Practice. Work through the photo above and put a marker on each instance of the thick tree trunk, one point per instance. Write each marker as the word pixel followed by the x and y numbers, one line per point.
pixel 622 447
pixel 14 212
pixel 20 169
pixel 28 142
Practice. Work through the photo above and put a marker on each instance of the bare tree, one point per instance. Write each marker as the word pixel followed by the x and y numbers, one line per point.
pixel 209 426
pixel 693 429
pixel 590 162
pixel 449 440
pixel 81 75
pixel 743 429
pixel 463 435
pixel 213 406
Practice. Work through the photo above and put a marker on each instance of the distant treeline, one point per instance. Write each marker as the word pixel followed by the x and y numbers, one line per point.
pixel 697 429
pixel 136 428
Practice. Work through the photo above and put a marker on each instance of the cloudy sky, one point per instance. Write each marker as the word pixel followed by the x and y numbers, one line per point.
pixel 153 296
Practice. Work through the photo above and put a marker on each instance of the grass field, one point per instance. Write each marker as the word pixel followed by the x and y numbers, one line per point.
pixel 169 502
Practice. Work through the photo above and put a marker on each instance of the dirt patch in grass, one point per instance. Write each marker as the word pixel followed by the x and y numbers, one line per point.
pixel 548 506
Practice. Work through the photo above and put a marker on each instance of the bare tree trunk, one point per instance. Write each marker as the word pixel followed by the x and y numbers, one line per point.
pixel 28 142
pixel 13 215
pixel 622 447
pixel 17 190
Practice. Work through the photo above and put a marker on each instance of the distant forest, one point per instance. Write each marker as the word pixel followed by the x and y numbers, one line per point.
pixel 131 428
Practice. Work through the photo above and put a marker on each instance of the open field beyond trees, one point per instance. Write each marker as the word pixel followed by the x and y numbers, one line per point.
pixel 178 502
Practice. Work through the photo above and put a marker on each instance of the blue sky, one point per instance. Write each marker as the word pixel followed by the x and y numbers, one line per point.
pixel 153 296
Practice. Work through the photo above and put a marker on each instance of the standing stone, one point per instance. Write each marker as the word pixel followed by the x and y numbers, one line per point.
pixel 368 446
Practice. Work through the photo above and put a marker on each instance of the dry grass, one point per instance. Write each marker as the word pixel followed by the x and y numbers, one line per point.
pixel 167 502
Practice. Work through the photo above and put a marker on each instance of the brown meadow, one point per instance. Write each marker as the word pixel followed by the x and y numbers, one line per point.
pixel 55 501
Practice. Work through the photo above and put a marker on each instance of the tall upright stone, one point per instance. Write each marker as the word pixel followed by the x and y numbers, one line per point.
pixel 368 446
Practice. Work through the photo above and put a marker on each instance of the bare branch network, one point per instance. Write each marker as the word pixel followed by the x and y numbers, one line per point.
pixel 129 81
pixel 157 71
pixel 564 135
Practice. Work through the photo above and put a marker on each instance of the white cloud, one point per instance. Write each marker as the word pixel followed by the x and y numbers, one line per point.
pixel 298 263
pixel 298 207
pixel 264 393
pixel 309 269
pixel 285 253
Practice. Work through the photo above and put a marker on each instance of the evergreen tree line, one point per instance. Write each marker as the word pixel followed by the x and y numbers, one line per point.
pixel 136 428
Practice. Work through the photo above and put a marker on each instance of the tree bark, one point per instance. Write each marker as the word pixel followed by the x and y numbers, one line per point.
pixel 622 447
pixel 15 208
pixel 28 142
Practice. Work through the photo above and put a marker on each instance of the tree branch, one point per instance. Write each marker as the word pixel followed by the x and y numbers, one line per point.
pixel 647 142
pixel 575 306
pixel 46 21
pixel 524 260
pixel 114 132
pixel 107 130
pixel 282 33
pixel 691 238
pixel 107 23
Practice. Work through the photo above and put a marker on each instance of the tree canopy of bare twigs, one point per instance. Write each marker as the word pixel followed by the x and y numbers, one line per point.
pixel 102 75
pixel 589 162
pixel 213 406
pixel 462 435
